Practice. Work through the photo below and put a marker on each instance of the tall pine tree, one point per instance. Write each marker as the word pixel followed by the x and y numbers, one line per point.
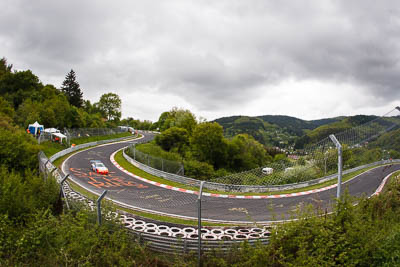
pixel 70 87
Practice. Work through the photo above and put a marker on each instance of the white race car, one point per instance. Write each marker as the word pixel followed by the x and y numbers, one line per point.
pixel 98 167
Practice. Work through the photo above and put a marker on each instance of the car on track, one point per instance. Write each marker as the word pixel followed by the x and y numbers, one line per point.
pixel 98 167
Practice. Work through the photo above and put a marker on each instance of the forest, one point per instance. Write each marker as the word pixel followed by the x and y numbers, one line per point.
pixel 36 231
pixel 203 149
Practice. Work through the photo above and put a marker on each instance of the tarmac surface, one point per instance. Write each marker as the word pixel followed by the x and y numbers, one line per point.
pixel 133 192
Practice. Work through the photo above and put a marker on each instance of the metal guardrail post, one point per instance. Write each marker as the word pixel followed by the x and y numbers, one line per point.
pixel 140 238
pixel 62 190
pixel 45 169
pixel 68 137
pixel 199 221
pixel 184 246
pixel 340 163
pixel 99 206
pixel 51 172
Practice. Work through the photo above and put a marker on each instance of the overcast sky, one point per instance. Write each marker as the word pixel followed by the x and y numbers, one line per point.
pixel 308 59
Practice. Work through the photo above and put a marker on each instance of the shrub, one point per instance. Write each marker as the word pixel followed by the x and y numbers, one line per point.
pixel 68 240
pixel 23 194
pixel 299 174
pixel 156 151
pixel 19 150
pixel 199 170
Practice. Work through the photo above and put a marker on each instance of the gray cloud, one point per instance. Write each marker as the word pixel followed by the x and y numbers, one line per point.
pixel 212 54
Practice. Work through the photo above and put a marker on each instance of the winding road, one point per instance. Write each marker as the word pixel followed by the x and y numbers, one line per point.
pixel 127 190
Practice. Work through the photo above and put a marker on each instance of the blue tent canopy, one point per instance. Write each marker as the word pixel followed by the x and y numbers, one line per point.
pixel 33 128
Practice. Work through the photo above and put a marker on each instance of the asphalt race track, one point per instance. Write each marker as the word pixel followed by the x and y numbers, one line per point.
pixel 126 189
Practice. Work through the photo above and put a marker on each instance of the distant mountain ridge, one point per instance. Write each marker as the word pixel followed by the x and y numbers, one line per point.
pixel 295 125
pixel 276 130
pixel 285 131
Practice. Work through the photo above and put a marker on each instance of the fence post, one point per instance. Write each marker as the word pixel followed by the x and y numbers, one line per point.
pixel 199 221
pixel 51 172
pixel 45 169
pixel 99 207
pixel 62 190
pixel 68 137
pixel 184 246
pixel 340 163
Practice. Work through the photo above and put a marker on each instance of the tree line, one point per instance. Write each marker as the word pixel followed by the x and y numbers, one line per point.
pixel 35 231
pixel 202 147
pixel 34 228
pixel 24 99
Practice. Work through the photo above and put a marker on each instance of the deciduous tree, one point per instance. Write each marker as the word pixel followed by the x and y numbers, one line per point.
pixel 174 137
pixel 209 145
pixel 110 106
pixel 179 118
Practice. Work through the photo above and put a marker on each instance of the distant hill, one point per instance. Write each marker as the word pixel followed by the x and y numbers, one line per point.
pixel 323 131
pixel 294 125
pixel 274 130
pixel 389 140
pixel 283 131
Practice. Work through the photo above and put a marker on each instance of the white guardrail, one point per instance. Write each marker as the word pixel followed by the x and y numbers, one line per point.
pixel 159 237
pixel 244 188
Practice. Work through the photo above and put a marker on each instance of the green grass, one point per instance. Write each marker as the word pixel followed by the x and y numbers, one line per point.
pixel 83 140
pixel 51 148
pixel 60 160
pixel 156 217
pixel 129 167
pixel 126 165
pixel 147 215
pixel 391 180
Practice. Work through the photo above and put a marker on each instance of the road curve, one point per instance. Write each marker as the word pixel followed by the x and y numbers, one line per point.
pixel 126 189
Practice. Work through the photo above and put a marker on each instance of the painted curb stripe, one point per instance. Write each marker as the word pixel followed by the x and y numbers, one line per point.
pixel 233 196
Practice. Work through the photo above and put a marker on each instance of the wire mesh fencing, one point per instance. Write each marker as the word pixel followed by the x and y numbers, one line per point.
pixel 87 132
pixel 158 236
pixel 156 162
pixel 321 158
pixel 315 161
pixel 76 133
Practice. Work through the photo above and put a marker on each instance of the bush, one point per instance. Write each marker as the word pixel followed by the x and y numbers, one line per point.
pixel 19 150
pixel 24 194
pixel 299 174
pixel 199 170
pixel 364 235
pixel 68 240
pixel 156 151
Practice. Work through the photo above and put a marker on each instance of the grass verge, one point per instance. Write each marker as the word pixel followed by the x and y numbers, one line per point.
pixel 129 167
pixel 148 215
pixel 133 169
pixel 50 148
pixel 151 216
